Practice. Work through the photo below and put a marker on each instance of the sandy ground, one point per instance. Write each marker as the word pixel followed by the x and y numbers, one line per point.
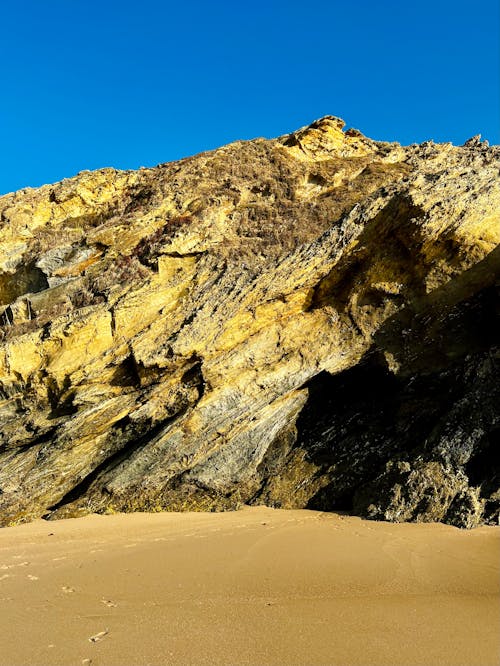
pixel 256 586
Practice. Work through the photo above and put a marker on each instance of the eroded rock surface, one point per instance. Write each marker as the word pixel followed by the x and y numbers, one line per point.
pixel 310 321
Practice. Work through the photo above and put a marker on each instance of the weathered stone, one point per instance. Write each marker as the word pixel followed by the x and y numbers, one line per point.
pixel 310 321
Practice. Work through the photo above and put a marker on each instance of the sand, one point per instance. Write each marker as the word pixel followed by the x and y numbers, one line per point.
pixel 257 586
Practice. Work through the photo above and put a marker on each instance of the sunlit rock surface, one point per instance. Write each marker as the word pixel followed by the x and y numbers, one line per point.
pixel 310 321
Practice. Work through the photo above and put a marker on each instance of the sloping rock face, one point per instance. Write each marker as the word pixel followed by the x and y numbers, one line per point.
pixel 310 321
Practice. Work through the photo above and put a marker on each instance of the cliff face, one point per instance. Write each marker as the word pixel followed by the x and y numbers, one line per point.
pixel 310 321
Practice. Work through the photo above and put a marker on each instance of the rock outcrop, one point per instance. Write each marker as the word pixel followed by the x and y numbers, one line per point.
pixel 310 321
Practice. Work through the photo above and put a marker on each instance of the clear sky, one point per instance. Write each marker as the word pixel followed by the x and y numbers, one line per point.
pixel 93 83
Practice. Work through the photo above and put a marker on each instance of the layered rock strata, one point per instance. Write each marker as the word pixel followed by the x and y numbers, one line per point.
pixel 310 321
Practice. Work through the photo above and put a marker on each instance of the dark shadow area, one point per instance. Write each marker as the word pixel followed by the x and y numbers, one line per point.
pixel 26 280
pixel 484 468
pixel 126 373
pixel 446 391
pixel 60 399
pixel 355 421
pixel 193 375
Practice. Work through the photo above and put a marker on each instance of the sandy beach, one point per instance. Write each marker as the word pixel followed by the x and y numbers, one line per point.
pixel 257 586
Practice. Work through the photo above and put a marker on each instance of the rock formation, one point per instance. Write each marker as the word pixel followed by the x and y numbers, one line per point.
pixel 310 321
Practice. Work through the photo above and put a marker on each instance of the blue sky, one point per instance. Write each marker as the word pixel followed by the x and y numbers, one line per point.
pixel 87 84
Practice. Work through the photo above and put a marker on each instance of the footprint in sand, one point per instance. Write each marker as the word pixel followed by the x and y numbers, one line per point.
pixel 32 577
pixel 67 589
pixel 4 567
pixel 109 603
pixel 86 662
pixel 98 637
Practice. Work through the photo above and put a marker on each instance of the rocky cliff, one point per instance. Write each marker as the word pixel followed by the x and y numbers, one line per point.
pixel 310 321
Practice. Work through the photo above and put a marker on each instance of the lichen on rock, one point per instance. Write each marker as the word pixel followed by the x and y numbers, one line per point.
pixel 310 321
